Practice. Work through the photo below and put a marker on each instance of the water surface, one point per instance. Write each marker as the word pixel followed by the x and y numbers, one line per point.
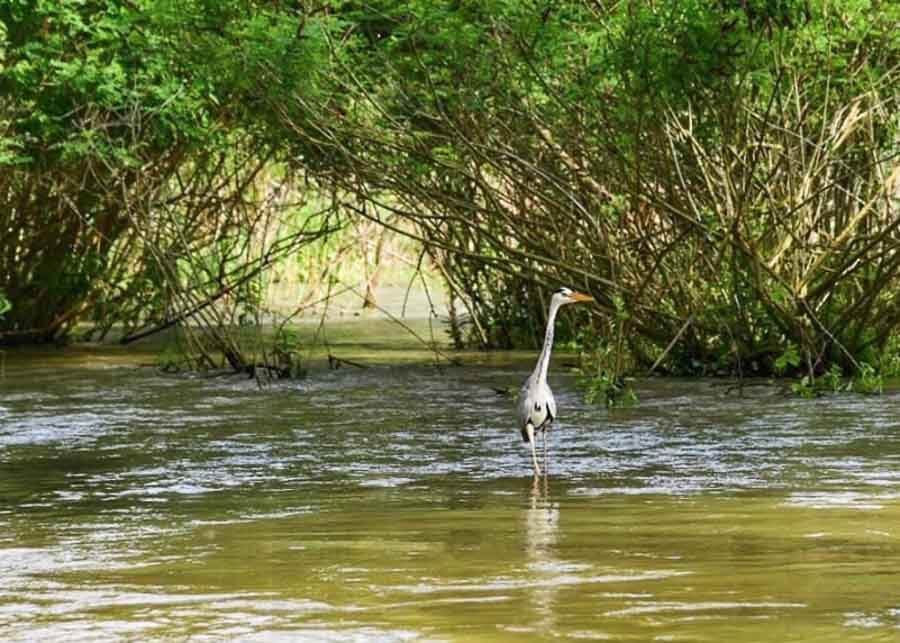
pixel 397 504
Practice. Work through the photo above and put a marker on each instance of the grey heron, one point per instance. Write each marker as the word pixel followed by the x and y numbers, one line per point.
pixel 537 408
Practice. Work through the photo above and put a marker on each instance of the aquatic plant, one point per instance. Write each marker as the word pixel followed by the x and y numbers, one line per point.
pixel 5 304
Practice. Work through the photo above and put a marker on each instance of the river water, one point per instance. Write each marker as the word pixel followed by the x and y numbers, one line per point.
pixel 396 503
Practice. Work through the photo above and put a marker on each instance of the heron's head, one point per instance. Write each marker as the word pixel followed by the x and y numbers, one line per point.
pixel 565 296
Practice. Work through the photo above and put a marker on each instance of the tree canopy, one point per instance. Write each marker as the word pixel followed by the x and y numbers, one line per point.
pixel 722 175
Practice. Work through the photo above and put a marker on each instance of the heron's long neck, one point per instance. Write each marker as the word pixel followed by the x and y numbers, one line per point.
pixel 544 360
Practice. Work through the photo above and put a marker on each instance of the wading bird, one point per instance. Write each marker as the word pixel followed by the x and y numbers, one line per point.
pixel 537 408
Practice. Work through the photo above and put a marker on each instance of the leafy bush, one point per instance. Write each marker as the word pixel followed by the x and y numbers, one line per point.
pixel 126 127
pixel 725 173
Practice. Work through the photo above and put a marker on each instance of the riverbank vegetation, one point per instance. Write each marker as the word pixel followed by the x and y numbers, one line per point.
pixel 723 176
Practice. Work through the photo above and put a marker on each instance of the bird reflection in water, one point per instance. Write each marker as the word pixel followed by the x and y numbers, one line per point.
pixel 541 535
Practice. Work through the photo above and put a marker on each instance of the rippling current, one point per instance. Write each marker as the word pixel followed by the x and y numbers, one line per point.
pixel 397 504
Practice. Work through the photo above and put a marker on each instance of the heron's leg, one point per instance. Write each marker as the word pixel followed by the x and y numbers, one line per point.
pixel 537 469
pixel 546 466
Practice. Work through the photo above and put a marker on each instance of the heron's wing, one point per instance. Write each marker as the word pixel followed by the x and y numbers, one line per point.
pixel 525 402
pixel 551 403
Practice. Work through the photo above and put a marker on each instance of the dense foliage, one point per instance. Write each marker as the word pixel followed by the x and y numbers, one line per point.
pixel 134 135
pixel 723 175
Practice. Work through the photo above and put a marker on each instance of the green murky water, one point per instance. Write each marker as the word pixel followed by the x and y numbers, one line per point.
pixel 396 503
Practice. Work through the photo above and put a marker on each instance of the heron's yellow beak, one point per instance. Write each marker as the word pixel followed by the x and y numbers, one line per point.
pixel 580 296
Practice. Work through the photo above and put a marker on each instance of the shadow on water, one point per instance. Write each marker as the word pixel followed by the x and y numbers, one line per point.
pixel 398 504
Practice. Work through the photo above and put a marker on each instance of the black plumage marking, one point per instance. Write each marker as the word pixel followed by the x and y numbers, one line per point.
pixel 537 407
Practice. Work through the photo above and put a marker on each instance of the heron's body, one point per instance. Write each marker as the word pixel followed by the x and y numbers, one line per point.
pixel 537 406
